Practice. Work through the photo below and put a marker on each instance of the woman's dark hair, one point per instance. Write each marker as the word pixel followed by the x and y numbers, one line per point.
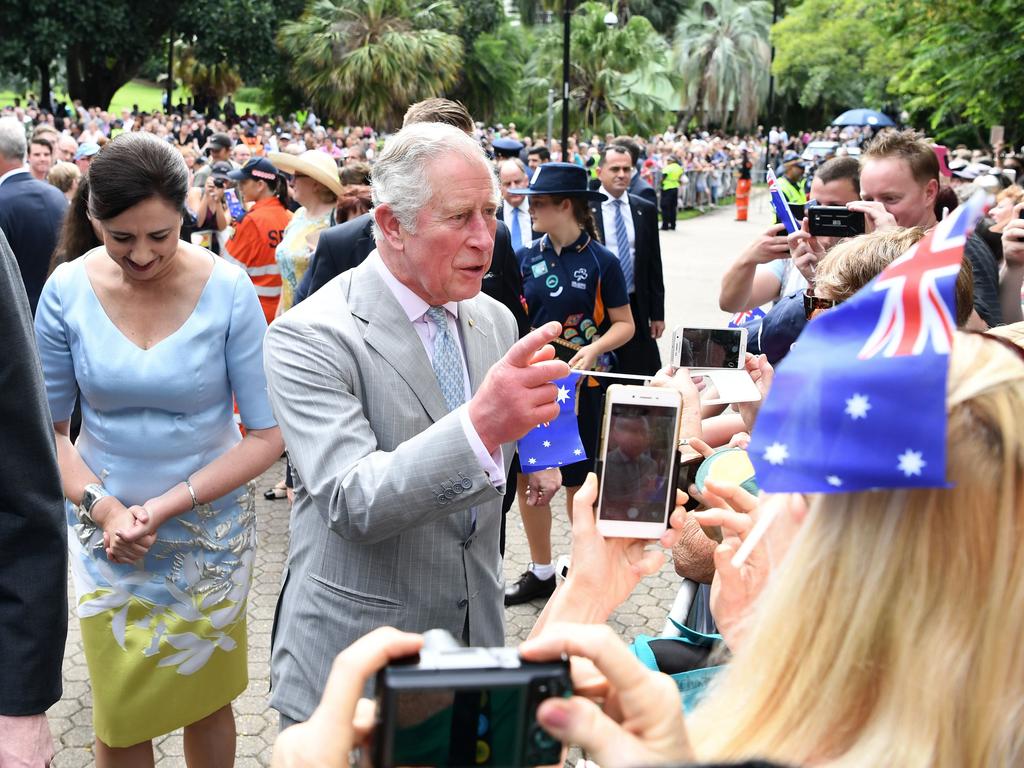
pixel 580 212
pixel 76 234
pixel 133 168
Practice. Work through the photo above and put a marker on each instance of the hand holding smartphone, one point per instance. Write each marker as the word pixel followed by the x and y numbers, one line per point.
pixel 638 461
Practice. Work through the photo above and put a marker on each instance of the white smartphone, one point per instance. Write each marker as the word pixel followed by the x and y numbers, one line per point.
pixel 709 347
pixel 638 461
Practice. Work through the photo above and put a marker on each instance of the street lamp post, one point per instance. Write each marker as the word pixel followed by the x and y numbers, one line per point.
pixel 566 30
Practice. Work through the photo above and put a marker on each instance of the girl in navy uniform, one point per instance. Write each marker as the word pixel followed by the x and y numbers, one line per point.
pixel 570 277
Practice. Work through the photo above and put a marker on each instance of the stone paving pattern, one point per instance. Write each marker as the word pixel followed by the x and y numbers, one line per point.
pixel 694 257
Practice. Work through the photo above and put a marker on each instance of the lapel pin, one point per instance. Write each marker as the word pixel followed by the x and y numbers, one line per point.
pixel 472 322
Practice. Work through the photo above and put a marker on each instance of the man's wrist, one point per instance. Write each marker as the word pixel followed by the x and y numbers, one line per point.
pixel 490 442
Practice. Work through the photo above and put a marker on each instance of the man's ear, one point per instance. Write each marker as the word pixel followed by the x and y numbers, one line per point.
pixel 389 226
pixel 931 191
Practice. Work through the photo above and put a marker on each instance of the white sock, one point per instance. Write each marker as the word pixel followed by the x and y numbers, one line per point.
pixel 542 572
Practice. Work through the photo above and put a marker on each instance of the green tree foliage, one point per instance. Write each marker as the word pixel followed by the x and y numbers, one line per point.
pixel 965 63
pixel 834 55
pixel 615 72
pixel 491 84
pixel 663 14
pixel 367 60
pixel 208 83
pixel 721 51
pixel 32 39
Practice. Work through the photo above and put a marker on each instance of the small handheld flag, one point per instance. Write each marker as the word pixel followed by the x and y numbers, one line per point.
pixel 740 319
pixel 556 443
pixel 860 401
pixel 782 211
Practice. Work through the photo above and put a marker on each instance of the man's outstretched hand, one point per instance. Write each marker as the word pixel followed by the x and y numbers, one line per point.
pixel 517 393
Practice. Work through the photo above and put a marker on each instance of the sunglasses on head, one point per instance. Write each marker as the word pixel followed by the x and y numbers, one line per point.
pixel 813 303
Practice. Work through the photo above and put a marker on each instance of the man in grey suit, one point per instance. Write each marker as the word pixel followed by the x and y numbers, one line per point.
pixel 400 389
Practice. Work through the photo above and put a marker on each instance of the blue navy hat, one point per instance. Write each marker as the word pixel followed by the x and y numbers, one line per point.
pixel 560 180
pixel 507 147
pixel 259 168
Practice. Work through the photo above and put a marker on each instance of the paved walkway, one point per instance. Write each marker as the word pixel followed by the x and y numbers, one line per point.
pixel 694 257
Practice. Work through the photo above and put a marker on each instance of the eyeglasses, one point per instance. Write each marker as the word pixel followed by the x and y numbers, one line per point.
pixel 814 304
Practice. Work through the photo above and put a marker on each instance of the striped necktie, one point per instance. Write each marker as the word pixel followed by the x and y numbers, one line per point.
pixel 622 240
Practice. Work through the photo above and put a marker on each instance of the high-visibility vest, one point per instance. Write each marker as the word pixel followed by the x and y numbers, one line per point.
pixel 253 245
pixel 792 192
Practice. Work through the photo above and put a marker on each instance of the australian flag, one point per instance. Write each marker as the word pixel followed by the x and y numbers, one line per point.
pixel 779 204
pixel 860 401
pixel 555 443
pixel 743 319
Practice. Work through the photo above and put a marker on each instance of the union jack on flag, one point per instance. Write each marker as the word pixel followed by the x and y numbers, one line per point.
pixel 860 400
pixel 742 318
pixel 915 312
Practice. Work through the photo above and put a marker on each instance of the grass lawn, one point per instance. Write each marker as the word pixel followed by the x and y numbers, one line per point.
pixel 147 95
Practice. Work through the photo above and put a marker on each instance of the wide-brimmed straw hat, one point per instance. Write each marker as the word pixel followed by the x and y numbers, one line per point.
pixel 318 165
pixel 560 180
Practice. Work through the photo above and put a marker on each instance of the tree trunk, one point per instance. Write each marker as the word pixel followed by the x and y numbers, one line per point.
pixel 94 83
pixel 45 99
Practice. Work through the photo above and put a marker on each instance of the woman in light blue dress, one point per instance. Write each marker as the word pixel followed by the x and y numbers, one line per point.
pixel 156 336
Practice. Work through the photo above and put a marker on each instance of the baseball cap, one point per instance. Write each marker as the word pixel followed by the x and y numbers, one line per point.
pixel 219 141
pixel 221 169
pixel 88 149
pixel 258 168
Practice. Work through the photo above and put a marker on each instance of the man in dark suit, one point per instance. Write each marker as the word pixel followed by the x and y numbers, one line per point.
pixel 33 539
pixel 637 186
pixel 628 226
pixel 31 212
pixel 515 209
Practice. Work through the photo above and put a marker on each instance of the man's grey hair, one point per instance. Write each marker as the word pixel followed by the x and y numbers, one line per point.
pixel 517 163
pixel 402 177
pixel 12 139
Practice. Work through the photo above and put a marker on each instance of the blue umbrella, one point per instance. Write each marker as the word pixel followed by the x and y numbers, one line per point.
pixel 864 117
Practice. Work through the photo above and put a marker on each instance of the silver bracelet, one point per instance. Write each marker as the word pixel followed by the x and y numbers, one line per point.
pixel 192 493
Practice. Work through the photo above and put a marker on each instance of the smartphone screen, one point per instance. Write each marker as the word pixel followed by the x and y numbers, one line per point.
pixel 639 462
pixel 710 348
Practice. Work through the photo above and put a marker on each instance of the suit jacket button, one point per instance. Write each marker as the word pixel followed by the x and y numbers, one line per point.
pixel 463 603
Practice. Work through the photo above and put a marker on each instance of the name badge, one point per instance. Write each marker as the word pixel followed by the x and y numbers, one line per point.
pixel 540 268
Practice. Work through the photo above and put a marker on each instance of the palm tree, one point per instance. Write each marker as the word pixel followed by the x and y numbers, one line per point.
pixel 208 84
pixel 614 70
pixel 722 51
pixel 365 61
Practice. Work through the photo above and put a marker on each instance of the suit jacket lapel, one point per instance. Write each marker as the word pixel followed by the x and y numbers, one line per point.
pixel 477 338
pixel 392 335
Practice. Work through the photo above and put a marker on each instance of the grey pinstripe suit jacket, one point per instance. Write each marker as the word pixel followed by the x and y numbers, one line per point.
pixel 379 535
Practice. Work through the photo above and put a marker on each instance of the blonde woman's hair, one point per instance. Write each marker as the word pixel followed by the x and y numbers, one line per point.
pixel 62 175
pixel 855 262
pixel 891 633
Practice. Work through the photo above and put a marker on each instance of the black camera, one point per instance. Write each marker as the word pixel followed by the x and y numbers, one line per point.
pixel 834 221
pixel 219 183
pixel 455 706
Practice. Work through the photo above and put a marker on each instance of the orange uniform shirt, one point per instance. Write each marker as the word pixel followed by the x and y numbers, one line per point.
pixel 253 245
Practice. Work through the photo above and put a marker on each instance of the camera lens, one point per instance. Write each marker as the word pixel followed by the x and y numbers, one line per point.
pixel 218 183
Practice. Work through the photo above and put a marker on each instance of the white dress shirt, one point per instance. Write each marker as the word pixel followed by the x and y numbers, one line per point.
pixel 525 222
pixel 415 309
pixel 611 242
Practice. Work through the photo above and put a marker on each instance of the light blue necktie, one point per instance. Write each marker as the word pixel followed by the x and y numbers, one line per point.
pixel 517 233
pixel 447 361
pixel 622 238
pixel 450 375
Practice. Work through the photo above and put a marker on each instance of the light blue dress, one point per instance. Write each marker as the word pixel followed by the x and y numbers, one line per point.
pixel 164 638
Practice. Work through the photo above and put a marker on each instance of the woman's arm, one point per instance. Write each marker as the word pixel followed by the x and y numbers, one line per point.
pixel 246 460
pixel 620 331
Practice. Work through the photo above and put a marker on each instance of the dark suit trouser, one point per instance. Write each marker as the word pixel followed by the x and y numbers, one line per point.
pixel 669 206
pixel 640 354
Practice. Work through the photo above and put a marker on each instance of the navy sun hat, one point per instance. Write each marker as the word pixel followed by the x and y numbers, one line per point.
pixel 258 168
pixel 560 180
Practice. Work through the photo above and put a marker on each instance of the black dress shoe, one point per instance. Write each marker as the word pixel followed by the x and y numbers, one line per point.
pixel 528 588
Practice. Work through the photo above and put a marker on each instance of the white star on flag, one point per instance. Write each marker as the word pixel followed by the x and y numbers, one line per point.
pixel 834 481
pixel 857 407
pixel 563 394
pixel 911 463
pixel 776 454
pixel 531 461
pixel 577 452
pixel 547 443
